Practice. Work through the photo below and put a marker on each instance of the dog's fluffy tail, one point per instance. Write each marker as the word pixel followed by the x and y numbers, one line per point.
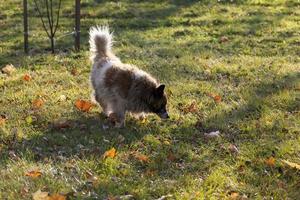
pixel 100 42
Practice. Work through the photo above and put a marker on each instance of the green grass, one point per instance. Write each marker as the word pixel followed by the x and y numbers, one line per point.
pixel 256 72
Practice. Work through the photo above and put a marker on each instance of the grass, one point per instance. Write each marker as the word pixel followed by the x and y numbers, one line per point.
pixel 255 70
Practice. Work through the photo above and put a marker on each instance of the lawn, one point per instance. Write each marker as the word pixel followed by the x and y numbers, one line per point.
pixel 228 66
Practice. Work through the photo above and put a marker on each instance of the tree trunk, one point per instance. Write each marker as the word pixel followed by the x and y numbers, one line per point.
pixel 52 44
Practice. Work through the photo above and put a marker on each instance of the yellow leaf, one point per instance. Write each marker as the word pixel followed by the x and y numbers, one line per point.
pixel 110 153
pixel 291 164
pixel 270 161
pixel 33 173
pixel 83 105
pixel 37 103
pixel 39 195
pixel 29 119
pixel 26 77
pixel 57 197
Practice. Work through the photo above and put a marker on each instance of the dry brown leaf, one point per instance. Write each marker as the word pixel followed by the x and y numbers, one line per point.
pixel 150 172
pixel 62 124
pixel 74 72
pixel 3 119
pixel 83 105
pixel 8 69
pixel 39 195
pixel 37 103
pixel 141 157
pixel 233 149
pixel 57 197
pixel 171 157
pixel 234 195
pixel 192 108
pixel 291 164
pixel 110 153
pixel 33 173
pixel 270 161
pixel 224 39
pixel 26 77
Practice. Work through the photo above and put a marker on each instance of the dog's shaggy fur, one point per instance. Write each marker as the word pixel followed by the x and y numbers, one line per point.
pixel 119 87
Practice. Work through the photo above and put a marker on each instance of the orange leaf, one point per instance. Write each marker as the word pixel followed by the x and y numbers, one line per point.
pixel 217 98
pixel 83 105
pixel 38 103
pixel 270 161
pixel 110 153
pixel 26 77
pixel 141 157
pixel 57 197
pixel 34 173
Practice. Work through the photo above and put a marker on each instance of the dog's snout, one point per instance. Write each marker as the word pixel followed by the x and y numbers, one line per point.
pixel 164 115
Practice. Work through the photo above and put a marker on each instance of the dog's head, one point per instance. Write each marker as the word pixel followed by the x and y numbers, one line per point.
pixel 158 102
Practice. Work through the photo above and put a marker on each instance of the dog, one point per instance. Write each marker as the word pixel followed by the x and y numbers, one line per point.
pixel 119 88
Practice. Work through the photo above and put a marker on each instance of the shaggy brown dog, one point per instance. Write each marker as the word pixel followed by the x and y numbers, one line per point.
pixel 119 87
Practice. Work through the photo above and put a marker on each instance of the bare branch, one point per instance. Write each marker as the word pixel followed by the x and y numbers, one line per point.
pixel 41 16
pixel 51 13
pixel 57 18
pixel 48 16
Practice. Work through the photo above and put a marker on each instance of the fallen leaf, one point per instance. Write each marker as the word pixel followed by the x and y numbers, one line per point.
pixel 29 119
pixel 74 72
pixel 224 39
pixel 150 172
pixel 57 197
pixel 192 108
pixel 39 195
pixel 110 153
pixel 141 157
pixel 24 191
pixel 38 103
pixel 291 164
pixel 270 162
pixel 8 69
pixel 83 105
pixel 233 149
pixel 3 119
pixel 26 77
pixel 171 157
pixel 61 124
pixel 62 98
pixel 33 173
pixel 217 98
pixel 212 134
pixel 234 195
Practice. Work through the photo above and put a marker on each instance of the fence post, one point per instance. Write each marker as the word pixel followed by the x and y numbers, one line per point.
pixel 25 18
pixel 77 25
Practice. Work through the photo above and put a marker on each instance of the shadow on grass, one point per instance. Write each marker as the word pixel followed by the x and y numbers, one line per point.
pixel 255 105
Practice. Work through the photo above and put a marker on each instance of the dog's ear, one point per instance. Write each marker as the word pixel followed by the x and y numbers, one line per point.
pixel 159 91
